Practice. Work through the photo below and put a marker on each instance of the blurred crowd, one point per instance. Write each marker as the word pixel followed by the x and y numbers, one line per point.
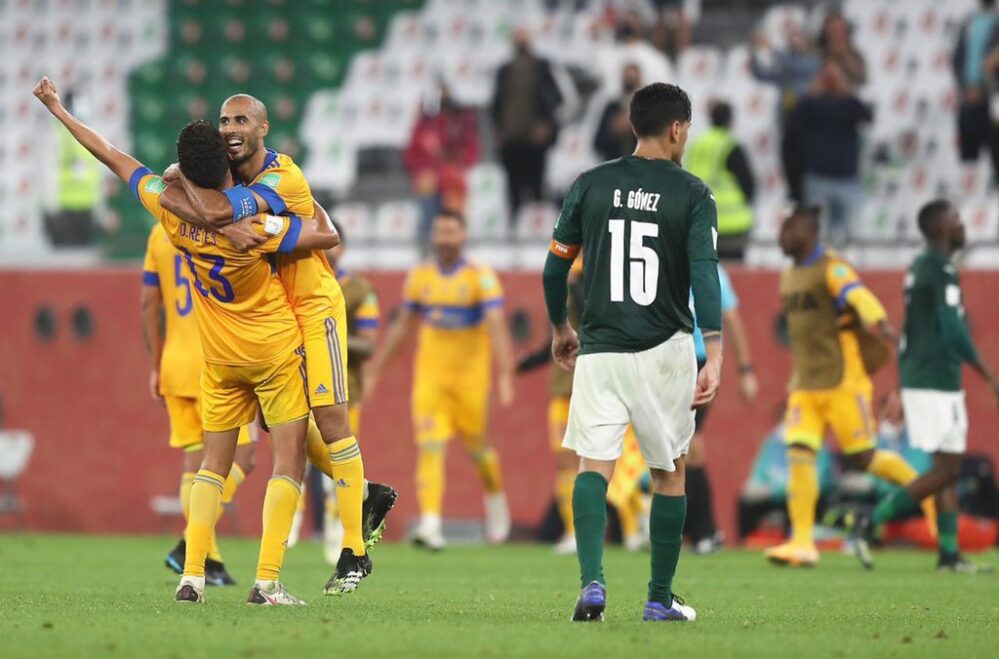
pixel 821 115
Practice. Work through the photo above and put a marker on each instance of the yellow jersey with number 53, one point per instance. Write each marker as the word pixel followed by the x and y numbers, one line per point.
pixel 243 315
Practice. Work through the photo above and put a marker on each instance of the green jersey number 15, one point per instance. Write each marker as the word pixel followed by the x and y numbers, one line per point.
pixel 643 261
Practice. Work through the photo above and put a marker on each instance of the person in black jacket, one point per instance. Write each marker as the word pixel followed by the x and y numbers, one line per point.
pixel 976 130
pixel 524 104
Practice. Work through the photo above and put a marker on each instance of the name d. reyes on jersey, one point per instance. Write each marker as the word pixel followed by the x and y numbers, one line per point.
pixel 638 200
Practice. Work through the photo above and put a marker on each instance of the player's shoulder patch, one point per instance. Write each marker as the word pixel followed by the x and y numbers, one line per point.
pixel 155 185
pixel 271 180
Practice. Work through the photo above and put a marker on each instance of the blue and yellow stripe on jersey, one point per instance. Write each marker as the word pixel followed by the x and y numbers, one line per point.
pixel 452 305
pixel 243 314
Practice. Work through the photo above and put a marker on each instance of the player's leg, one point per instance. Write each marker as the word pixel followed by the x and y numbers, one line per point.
pixel 700 529
pixel 852 419
pixel 432 429
pixel 566 465
pixel 624 495
pixel 325 346
pixel 803 434
pixel 663 390
pixel 279 389
pixel 185 434
pixel 206 497
pixel 469 414
pixel 598 419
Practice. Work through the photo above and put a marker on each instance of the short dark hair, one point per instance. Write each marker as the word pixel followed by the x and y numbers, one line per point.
pixel 201 155
pixel 452 213
pixel 930 213
pixel 655 107
pixel 808 213
pixel 721 114
pixel 339 229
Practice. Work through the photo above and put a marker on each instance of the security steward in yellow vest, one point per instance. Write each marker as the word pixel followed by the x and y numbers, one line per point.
pixel 79 177
pixel 718 160
pixel 839 335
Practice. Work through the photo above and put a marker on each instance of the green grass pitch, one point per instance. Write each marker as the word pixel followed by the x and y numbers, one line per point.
pixel 82 596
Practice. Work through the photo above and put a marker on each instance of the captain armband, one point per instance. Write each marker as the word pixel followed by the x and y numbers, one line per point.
pixel 243 203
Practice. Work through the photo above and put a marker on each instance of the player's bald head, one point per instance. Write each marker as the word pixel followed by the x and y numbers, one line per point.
pixel 245 104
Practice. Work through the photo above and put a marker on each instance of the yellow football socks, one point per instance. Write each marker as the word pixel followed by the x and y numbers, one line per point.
pixel 317 450
pixel 206 493
pixel 348 476
pixel 564 482
pixel 430 479
pixel 802 494
pixel 186 480
pixel 280 502
pixel 488 465
pixel 232 483
pixel 893 468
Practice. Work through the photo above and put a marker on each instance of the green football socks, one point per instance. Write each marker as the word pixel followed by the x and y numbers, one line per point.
pixel 589 509
pixel 666 535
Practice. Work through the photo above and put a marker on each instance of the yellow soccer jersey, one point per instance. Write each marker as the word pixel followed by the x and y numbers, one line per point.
pixel 180 364
pixel 454 341
pixel 243 315
pixel 307 277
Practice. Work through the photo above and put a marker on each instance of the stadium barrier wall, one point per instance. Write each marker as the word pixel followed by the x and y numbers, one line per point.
pixel 73 372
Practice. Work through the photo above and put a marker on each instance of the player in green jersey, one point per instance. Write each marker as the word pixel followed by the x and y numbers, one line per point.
pixel 648 233
pixel 935 345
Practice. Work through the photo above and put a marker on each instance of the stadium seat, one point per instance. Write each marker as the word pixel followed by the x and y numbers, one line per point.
pixel 981 218
pixel 397 221
pixel 485 207
pixel 535 222
pixel 356 221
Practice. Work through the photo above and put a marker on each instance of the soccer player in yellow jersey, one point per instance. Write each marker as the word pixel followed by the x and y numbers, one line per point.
pixel 839 335
pixel 171 332
pixel 361 302
pixel 272 181
pixel 460 307
pixel 251 345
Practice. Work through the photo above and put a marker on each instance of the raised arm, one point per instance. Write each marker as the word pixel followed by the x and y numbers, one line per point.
pixel 119 162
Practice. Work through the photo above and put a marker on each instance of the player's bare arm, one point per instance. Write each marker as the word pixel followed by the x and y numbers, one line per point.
pixel 709 379
pixel 499 336
pixel 151 314
pixel 213 207
pixel 401 328
pixel 734 327
pixel 119 162
pixel 241 234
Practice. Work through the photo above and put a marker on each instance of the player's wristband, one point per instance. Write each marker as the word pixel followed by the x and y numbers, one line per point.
pixel 243 203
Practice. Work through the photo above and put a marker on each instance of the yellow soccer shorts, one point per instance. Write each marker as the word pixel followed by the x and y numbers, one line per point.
pixel 846 410
pixel 325 342
pixel 558 419
pixel 443 410
pixel 185 424
pixel 230 394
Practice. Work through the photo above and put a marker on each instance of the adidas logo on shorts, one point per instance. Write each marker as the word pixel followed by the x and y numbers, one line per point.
pixel 321 389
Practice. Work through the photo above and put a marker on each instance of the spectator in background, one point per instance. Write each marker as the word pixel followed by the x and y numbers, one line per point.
pixel 830 119
pixel 525 100
pixel 976 129
pixel 792 70
pixel 443 146
pixel 673 19
pixel 992 90
pixel 632 47
pixel 79 175
pixel 836 45
pixel 614 137
pixel 717 159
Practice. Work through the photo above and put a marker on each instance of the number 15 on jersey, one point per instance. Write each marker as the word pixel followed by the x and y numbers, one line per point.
pixel 642 261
